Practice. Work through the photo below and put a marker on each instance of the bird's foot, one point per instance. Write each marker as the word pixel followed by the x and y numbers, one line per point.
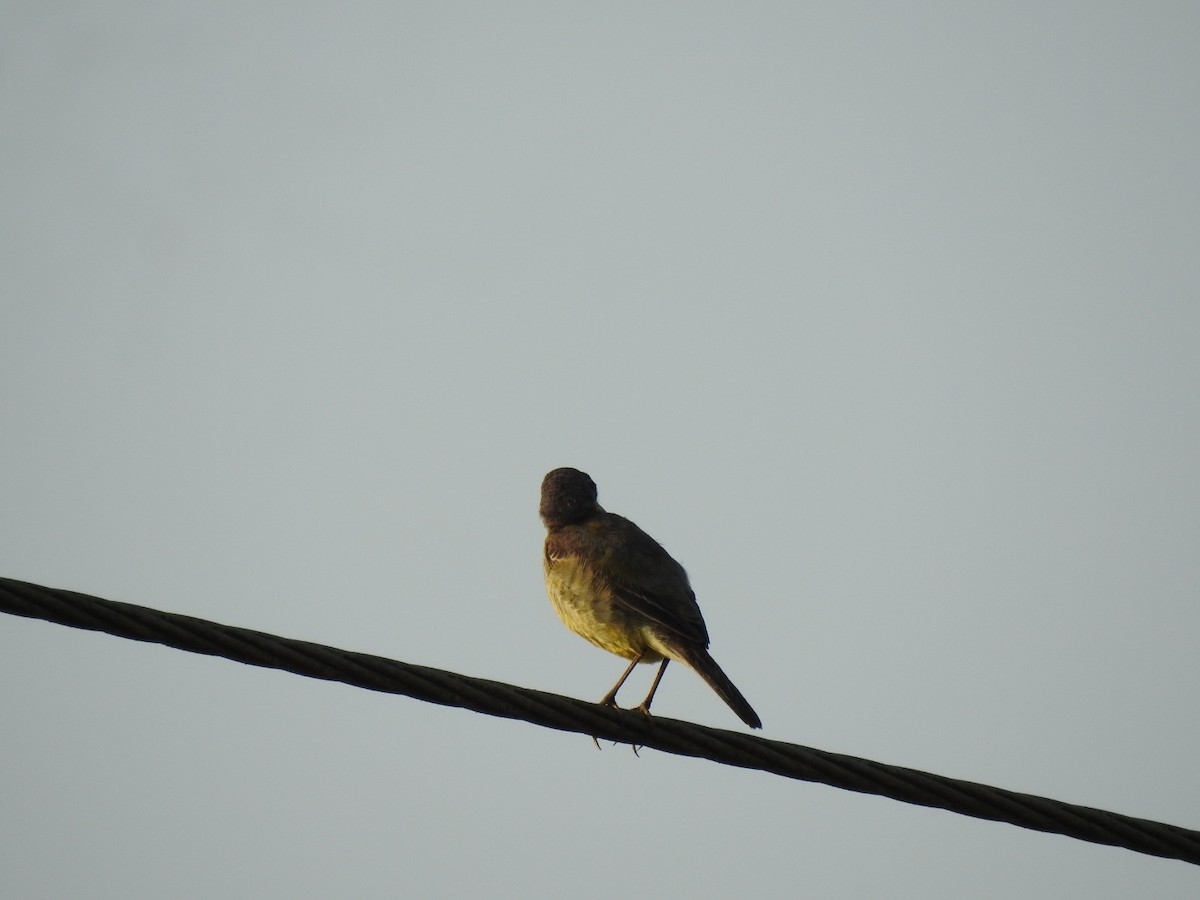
pixel 644 709
pixel 609 700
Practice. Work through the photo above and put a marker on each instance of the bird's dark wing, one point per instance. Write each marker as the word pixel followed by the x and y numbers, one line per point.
pixel 647 581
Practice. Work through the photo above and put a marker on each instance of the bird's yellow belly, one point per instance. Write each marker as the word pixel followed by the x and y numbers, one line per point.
pixel 588 610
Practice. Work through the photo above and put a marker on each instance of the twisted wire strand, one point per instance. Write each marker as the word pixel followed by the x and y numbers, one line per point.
pixel 496 698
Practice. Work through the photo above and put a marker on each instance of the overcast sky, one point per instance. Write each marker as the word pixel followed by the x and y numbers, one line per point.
pixel 883 318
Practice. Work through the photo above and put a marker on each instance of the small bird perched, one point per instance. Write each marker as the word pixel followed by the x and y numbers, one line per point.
pixel 613 584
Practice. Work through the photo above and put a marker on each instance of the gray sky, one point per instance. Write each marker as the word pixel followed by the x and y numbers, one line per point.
pixel 884 319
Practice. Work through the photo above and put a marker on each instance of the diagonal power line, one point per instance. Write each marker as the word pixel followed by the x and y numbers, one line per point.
pixel 496 698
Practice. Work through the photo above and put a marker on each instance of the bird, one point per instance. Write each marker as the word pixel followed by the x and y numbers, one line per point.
pixel 614 585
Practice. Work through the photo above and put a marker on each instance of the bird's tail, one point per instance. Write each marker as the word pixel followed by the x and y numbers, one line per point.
pixel 706 667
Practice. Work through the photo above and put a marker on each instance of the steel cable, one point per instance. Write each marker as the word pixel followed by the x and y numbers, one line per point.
pixel 566 714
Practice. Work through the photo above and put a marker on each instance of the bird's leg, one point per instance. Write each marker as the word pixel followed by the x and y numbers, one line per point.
pixel 645 705
pixel 610 699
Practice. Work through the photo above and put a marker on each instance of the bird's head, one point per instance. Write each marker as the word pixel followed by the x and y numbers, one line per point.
pixel 568 495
